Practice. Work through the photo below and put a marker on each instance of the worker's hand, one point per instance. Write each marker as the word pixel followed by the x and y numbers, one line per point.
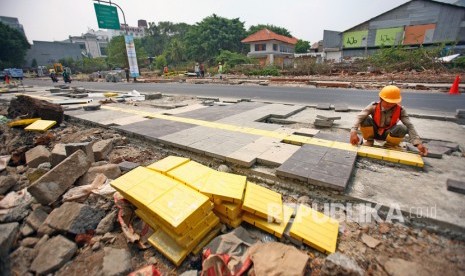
pixel 422 149
pixel 354 139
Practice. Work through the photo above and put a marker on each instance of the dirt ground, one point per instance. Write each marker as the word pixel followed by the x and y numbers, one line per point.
pixel 426 252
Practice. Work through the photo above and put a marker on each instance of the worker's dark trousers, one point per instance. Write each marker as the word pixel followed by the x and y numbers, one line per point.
pixel 398 131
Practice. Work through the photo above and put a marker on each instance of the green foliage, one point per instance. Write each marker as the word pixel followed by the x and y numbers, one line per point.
pixel 206 39
pixel 302 46
pixel 93 64
pixel 160 36
pixel 266 71
pixel 34 63
pixel 279 30
pixel 160 62
pixel 401 58
pixel 176 51
pixel 458 63
pixel 231 59
pixel 13 47
pixel 117 56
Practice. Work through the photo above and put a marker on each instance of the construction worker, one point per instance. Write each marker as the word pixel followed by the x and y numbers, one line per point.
pixel 378 121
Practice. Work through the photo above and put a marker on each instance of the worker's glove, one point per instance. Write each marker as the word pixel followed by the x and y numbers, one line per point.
pixel 354 139
pixel 422 149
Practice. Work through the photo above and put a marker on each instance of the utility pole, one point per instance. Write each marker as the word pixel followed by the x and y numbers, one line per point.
pixel 129 40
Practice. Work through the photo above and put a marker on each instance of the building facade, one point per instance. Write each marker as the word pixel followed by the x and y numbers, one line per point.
pixel 46 53
pixel 92 45
pixel 137 32
pixel 13 22
pixel 270 48
pixel 415 23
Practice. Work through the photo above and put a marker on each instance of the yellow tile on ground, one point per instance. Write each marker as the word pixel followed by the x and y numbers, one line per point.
pixel 270 227
pixel 180 207
pixel 168 163
pixel 228 209
pixel 172 250
pixel 168 247
pixel 207 239
pixel 40 125
pixel 222 186
pixel 405 158
pixel 147 218
pixel 131 178
pixel 344 146
pixel 23 122
pixel 234 223
pixel 263 202
pixel 189 174
pixel 372 152
pixel 321 142
pixel 315 229
pixel 295 139
pixel 149 189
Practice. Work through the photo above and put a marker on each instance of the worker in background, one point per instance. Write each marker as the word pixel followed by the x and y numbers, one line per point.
pixel 126 70
pixel 220 70
pixel 379 121
pixel 197 70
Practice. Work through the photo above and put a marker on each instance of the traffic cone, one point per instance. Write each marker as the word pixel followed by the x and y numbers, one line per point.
pixel 454 90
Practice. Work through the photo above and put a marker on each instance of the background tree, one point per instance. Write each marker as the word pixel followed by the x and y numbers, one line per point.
pixel 160 36
pixel 273 28
pixel 302 46
pixel 232 59
pixel 117 56
pixel 206 39
pixel 13 47
pixel 34 63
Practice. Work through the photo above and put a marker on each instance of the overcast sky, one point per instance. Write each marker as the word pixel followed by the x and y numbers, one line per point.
pixel 55 20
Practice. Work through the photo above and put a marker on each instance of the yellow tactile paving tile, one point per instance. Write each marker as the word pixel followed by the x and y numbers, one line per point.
pixel 234 223
pixel 149 189
pixel 263 202
pixel 270 227
pixel 180 207
pixel 184 239
pixel 190 174
pixel 406 158
pixel 321 142
pixel 222 186
pixel 315 229
pixel 40 125
pixel 168 163
pixel 372 152
pixel 228 209
pixel 174 251
pixel 131 178
pixel 23 122
pixel 344 146
pixel 297 139
pixel 207 239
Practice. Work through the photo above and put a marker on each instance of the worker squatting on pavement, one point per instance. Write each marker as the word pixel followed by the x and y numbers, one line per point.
pixel 379 121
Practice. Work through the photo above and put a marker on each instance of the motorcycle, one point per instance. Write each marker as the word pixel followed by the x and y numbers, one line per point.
pixel 54 78
pixel 67 79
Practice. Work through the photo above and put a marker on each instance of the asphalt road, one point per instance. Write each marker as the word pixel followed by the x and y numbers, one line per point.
pixel 426 102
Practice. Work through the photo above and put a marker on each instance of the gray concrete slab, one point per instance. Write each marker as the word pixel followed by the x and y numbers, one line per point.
pixel 277 155
pixel 215 113
pixel 155 128
pixel 102 117
pixel 125 120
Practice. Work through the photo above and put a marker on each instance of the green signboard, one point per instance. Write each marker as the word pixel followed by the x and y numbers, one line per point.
pixel 388 37
pixel 107 17
pixel 355 39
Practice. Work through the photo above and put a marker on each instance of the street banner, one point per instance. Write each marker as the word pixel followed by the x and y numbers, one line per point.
pixel 132 58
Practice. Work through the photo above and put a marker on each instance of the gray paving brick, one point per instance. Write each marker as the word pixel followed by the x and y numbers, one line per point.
pixel 323 106
pixel 340 156
pixel 341 108
pixel 333 182
pixel 456 186
pixel 333 169
pixel 295 169
pixel 340 137
pixel 155 128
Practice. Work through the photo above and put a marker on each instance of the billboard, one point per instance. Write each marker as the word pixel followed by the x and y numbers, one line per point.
pixel 389 36
pixel 355 39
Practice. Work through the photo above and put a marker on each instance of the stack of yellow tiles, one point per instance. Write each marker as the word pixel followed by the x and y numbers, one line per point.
pixel 180 216
pixel 264 208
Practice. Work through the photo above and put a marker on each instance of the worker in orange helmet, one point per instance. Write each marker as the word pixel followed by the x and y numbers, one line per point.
pixel 379 121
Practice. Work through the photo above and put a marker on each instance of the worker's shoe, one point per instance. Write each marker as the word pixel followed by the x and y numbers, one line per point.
pixel 368 143
pixel 393 142
pixel 368 133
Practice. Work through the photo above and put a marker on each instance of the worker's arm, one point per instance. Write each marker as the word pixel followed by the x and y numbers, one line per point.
pixel 412 133
pixel 354 139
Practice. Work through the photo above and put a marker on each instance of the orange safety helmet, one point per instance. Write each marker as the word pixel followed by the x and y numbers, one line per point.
pixel 390 94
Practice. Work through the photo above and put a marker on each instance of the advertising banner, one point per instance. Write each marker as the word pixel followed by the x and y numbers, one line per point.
pixel 389 36
pixel 132 58
pixel 355 39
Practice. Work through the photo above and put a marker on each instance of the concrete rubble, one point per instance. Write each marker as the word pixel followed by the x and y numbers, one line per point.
pixel 42 233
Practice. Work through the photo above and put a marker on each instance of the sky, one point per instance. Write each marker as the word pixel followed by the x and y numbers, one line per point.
pixel 56 20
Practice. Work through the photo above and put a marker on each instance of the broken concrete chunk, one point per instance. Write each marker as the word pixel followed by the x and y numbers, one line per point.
pixel 36 218
pixel 323 106
pixel 323 123
pixel 341 108
pixel 399 267
pixel 74 218
pixel 370 241
pixel 116 262
pixel 153 96
pixel 102 148
pixel 340 264
pixel 6 183
pixel 37 156
pixel 53 184
pixel 8 233
pixel 21 260
pixel 456 186
pixel 126 166
pixel 58 154
pixel 111 171
pixel 54 254
pixel 85 147
pixel 35 109
pixel 106 224
pixel 91 107
pixel 309 132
